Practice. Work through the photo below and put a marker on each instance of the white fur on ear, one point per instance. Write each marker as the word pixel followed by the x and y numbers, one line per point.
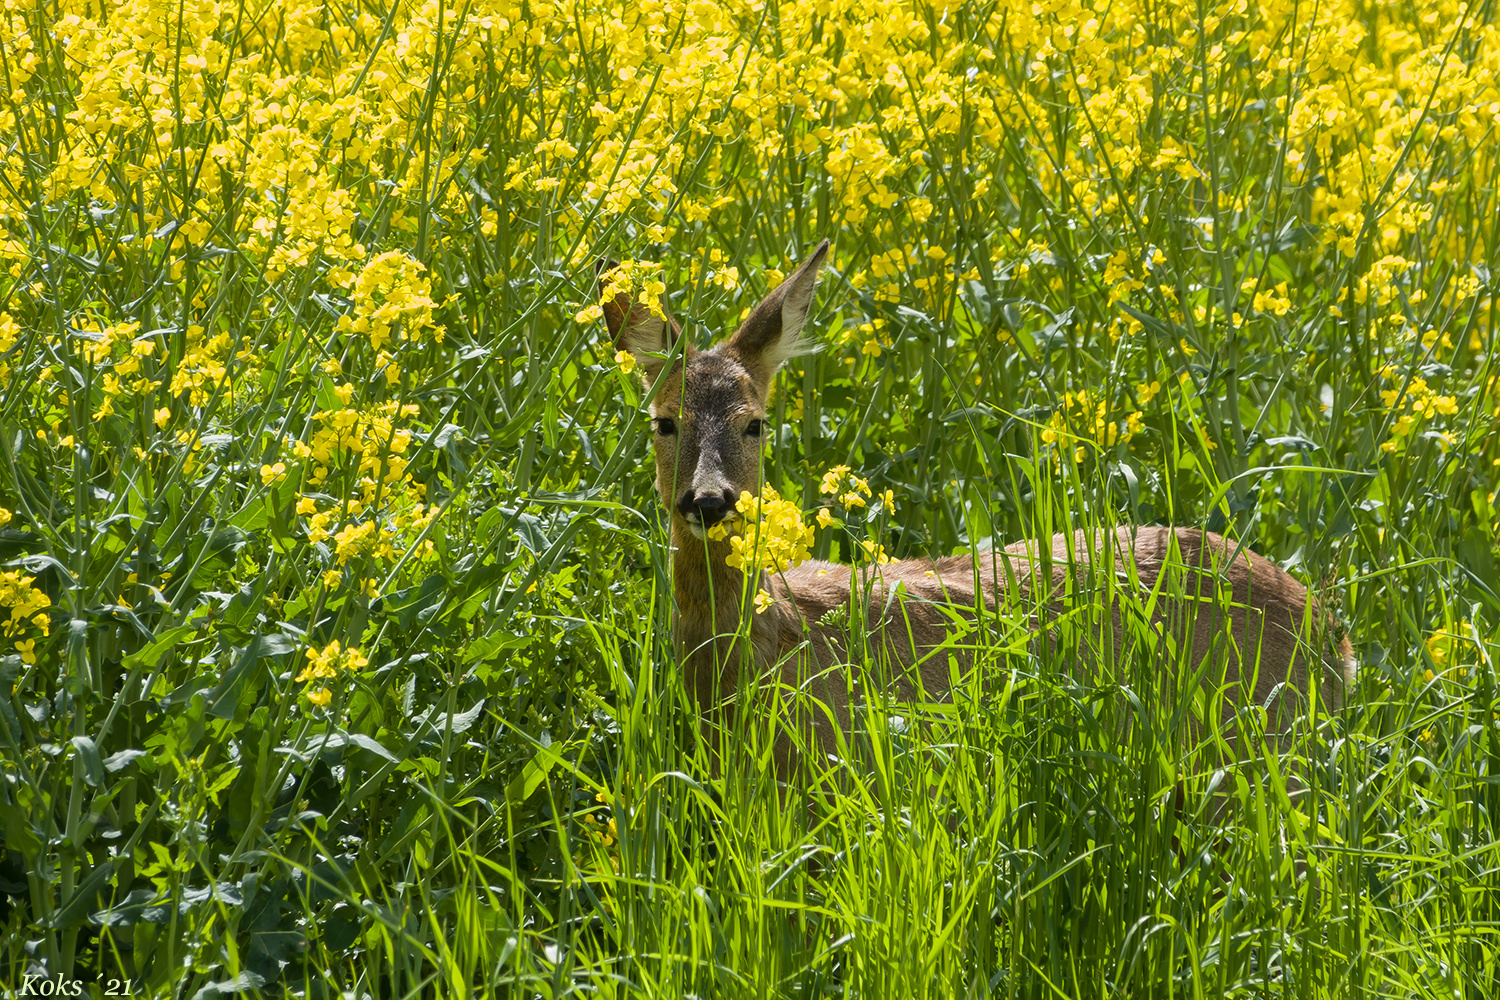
pixel 634 328
pixel 644 332
pixel 795 307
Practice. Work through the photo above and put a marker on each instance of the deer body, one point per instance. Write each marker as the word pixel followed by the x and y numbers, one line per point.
pixel 708 415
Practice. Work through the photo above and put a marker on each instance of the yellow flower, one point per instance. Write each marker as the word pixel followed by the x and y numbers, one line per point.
pixel 626 361
pixel 354 540
pixel 393 302
pixel 763 601
pixel 319 697
pixel 27 649
pixel 833 479
pixel 329 662
pixel 771 536
pixel 317 527
pixel 26 605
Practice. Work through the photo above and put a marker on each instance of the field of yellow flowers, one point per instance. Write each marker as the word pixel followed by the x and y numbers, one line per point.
pixel 336 656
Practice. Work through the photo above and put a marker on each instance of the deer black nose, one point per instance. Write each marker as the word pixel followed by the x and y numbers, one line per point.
pixel 711 508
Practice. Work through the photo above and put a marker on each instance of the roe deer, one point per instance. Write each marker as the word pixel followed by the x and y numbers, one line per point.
pixel 709 416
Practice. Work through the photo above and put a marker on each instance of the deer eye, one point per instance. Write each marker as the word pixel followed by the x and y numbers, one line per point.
pixel 755 428
pixel 665 426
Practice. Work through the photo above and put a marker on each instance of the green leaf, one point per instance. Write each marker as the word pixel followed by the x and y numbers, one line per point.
pixel 19 835
pixel 225 699
pixel 483 649
pixel 119 761
pixel 72 912
pixel 409 605
pixel 528 528
pixel 253 518
pixel 150 656
pixel 93 767
pixel 328 399
pixel 140 906
pixel 530 778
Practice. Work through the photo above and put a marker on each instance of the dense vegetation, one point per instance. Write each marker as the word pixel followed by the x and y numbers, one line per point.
pixel 337 648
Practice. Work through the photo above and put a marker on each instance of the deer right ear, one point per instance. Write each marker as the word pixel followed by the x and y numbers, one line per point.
pixel 771 333
pixel 634 328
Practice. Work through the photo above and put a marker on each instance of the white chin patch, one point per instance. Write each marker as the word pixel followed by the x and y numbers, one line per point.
pixel 697 529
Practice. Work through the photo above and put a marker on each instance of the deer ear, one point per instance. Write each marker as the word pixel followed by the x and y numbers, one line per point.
pixel 634 328
pixel 772 332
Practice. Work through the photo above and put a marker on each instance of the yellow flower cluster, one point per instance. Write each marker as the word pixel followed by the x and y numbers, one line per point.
pixel 209 365
pixel 1119 276
pixel 1444 646
pixel 27 608
pixel 392 300
pixel 10 333
pixel 382 540
pixel 1274 300
pixel 354 541
pixel 606 833
pixel 872 339
pixel 770 535
pixel 1085 416
pixel 638 280
pixel 368 443
pixel 1414 402
pixel 850 490
pixel 325 665
pixel 314 106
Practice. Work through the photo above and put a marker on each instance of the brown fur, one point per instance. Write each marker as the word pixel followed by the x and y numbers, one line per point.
pixel 1246 614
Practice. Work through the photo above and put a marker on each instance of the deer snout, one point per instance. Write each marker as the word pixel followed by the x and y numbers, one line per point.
pixel 706 508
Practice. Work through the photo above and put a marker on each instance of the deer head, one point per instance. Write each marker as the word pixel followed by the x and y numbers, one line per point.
pixel 708 414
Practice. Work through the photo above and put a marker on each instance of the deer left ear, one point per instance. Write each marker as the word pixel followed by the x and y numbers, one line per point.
pixel 772 333
pixel 634 328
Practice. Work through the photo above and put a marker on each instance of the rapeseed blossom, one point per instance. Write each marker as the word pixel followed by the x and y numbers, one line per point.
pixel 326 665
pixel 355 147
pixel 24 608
pixel 1412 402
pixel 849 490
pixel 770 535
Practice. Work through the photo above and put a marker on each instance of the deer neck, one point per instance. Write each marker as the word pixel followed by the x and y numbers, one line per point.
pixel 713 602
